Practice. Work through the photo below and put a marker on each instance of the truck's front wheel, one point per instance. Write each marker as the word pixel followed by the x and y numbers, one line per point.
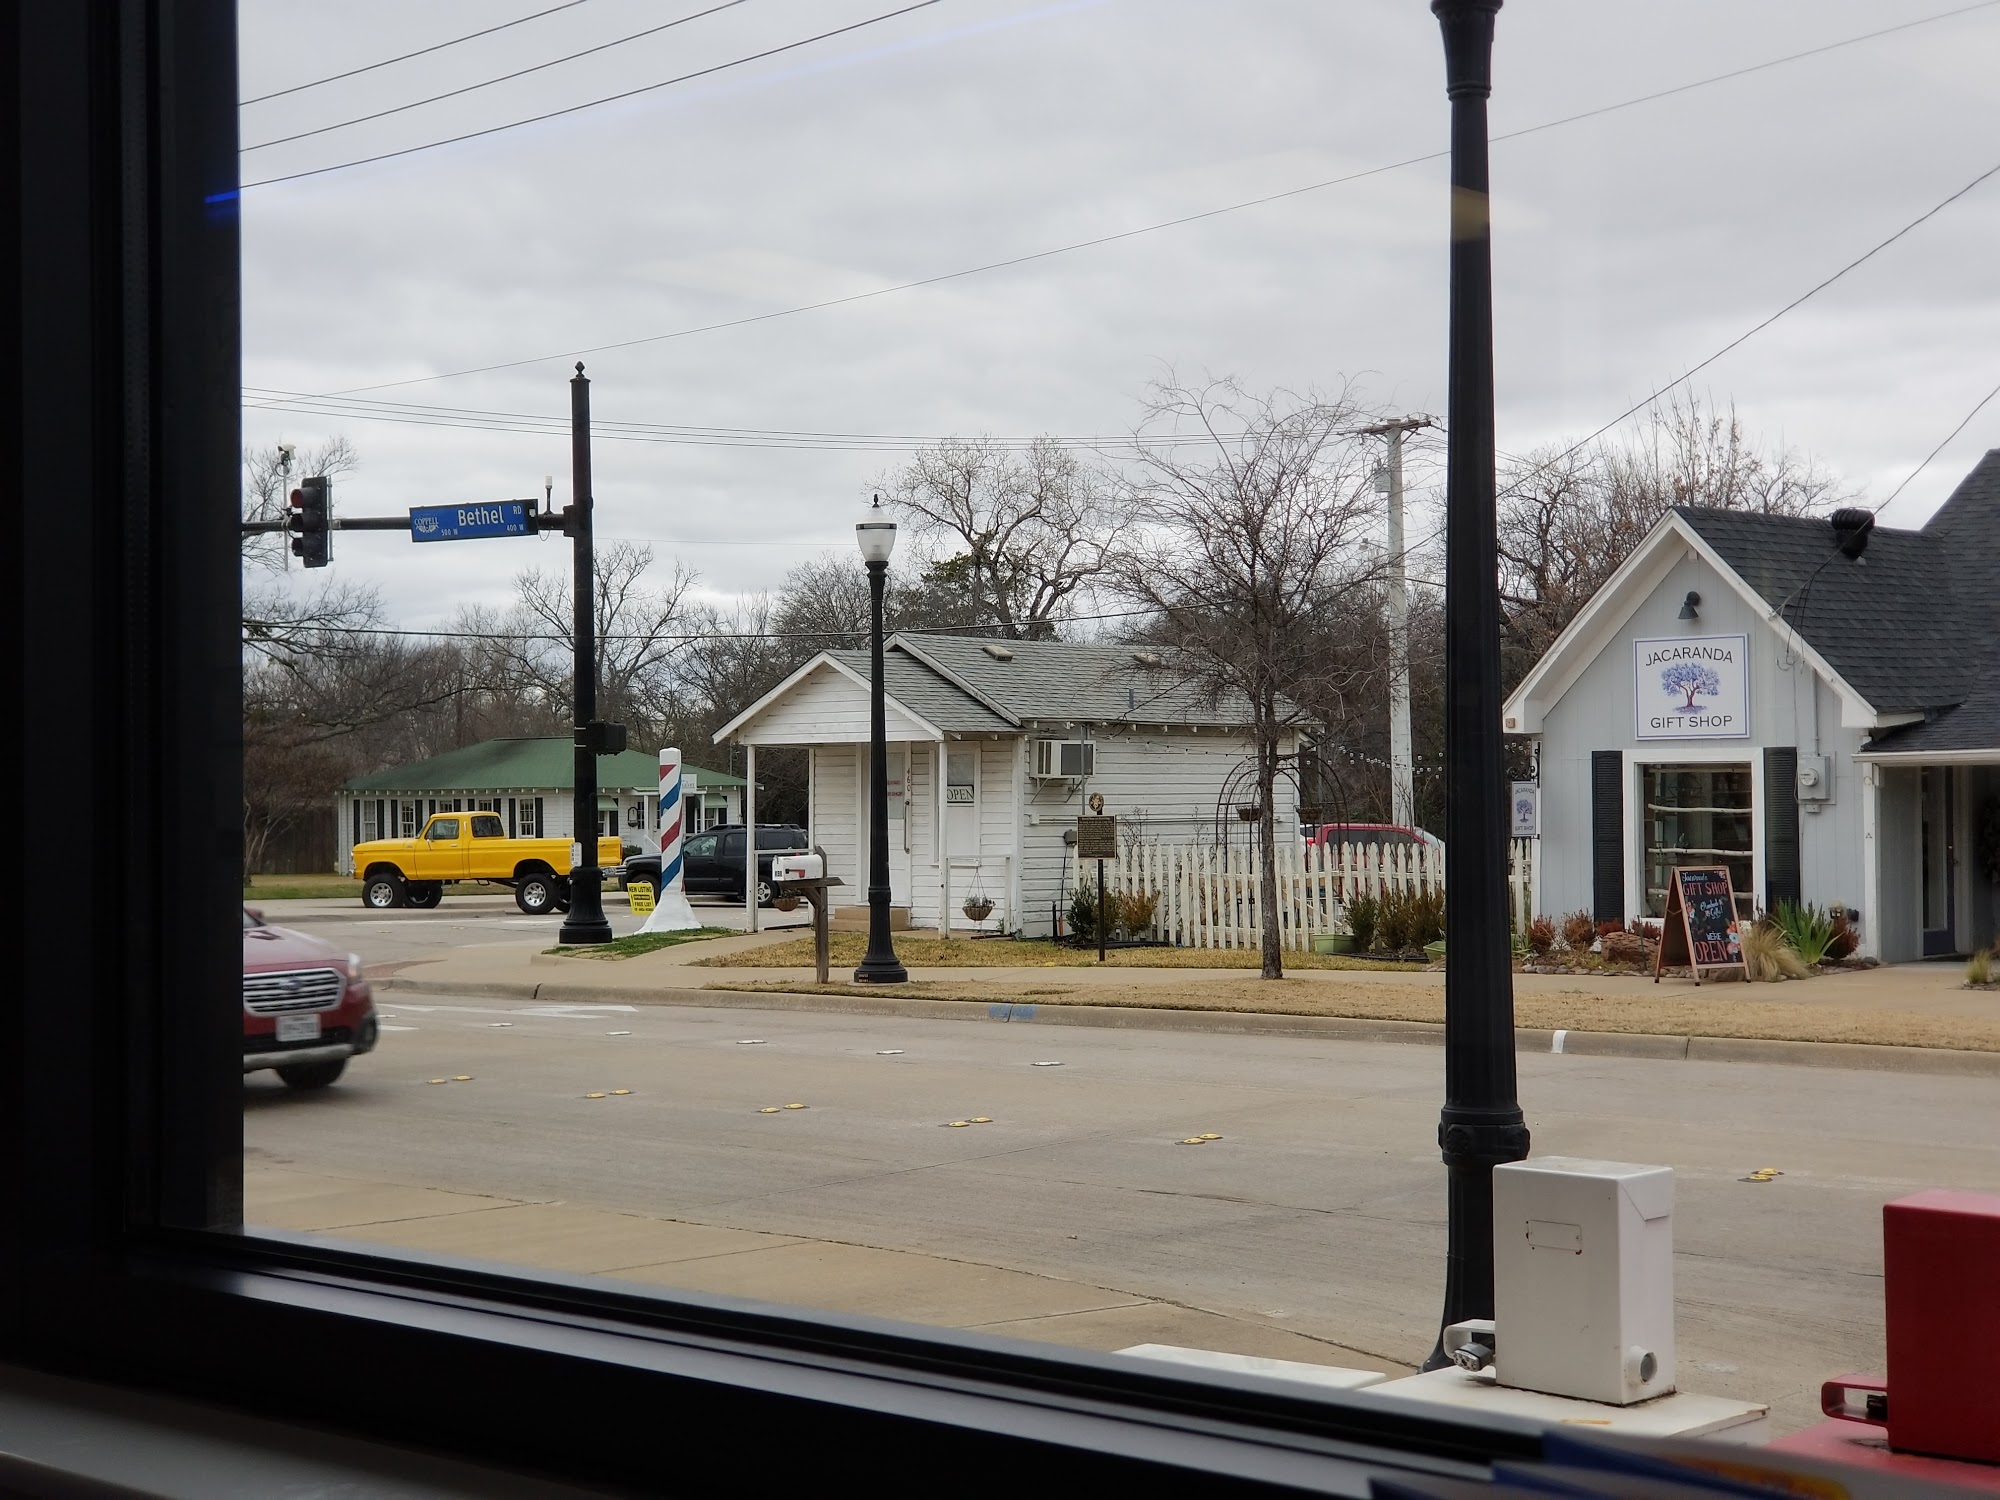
pixel 384 891
pixel 535 894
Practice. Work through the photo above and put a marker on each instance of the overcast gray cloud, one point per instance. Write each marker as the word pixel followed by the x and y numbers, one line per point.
pixel 1627 247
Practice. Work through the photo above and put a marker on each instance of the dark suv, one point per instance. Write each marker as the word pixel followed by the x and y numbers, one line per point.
pixel 712 861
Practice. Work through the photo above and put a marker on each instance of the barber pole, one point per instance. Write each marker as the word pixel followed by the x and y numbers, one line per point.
pixel 671 912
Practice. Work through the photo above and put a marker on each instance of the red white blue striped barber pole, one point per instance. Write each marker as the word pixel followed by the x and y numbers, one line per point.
pixel 671 912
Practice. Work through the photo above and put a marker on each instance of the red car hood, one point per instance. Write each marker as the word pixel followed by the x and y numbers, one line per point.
pixel 282 948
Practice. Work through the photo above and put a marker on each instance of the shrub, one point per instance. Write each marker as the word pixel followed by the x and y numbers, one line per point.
pixel 1125 916
pixel 1767 956
pixel 1411 919
pixel 1808 929
pixel 1605 929
pixel 1983 967
pixel 1845 938
pixel 1541 935
pixel 1579 931
pixel 1364 919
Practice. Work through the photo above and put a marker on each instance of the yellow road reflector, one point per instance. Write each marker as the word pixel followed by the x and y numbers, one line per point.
pixel 593 1096
pixel 770 1109
pixel 956 1124
pixel 794 1106
pixel 1193 1140
pixel 437 1080
pixel 1208 1135
pixel 461 1078
pixel 617 1092
pixel 982 1119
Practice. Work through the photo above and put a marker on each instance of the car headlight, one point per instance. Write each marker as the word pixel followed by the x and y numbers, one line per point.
pixel 354 966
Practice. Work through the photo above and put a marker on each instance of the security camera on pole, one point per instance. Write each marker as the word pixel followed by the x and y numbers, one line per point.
pixel 671 912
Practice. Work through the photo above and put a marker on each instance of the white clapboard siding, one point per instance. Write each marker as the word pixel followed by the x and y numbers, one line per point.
pixel 1206 897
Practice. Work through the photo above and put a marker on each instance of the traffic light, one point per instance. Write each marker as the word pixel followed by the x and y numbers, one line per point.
pixel 313 503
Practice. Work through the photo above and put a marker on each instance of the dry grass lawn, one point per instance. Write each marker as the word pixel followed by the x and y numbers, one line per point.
pixel 920 952
pixel 1780 1020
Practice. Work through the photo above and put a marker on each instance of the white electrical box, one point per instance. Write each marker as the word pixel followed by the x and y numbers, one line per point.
pixel 1583 1278
pixel 798 867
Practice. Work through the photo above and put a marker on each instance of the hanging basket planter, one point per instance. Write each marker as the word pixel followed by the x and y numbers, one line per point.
pixel 1249 812
pixel 977 908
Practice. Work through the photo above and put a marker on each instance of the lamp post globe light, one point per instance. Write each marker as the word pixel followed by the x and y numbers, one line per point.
pixel 875 532
pixel 1481 1125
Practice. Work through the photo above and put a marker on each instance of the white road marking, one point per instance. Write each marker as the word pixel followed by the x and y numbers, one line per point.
pixel 399 1028
pixel 1556 1041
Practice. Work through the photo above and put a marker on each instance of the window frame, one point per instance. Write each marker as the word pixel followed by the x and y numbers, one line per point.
pixel 120 1249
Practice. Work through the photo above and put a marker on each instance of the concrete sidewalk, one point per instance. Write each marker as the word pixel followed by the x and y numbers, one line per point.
pixel 686 1255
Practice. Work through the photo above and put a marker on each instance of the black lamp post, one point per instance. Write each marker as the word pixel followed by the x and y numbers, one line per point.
pixel 876 533
pixel 585 921
pixel 1481 1124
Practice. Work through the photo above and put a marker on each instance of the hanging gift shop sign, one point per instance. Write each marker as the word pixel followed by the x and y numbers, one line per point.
pixel 1692 687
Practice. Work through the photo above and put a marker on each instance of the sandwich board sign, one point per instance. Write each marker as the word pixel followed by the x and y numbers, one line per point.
pixel 1700 928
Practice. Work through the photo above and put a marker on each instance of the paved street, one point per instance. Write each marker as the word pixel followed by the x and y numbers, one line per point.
pixel 385 939
pixel 1317 1215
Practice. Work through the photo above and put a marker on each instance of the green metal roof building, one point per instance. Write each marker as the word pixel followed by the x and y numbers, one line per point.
pixel 530 783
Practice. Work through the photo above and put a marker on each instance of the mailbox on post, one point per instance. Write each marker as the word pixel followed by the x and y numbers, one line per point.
pixel 805 875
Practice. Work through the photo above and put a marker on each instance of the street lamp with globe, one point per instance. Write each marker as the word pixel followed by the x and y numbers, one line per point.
pixel 875 532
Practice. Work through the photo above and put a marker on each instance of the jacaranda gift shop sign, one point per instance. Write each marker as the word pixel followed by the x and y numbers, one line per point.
pixel 1692 687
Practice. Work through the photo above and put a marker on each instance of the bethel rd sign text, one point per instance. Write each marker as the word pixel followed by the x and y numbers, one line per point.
pixel 461 523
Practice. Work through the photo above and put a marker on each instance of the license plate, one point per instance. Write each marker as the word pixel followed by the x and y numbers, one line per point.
pixel 298 1028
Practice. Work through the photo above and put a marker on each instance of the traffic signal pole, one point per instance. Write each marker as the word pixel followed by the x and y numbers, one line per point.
pixel 585 921
pixel 312 521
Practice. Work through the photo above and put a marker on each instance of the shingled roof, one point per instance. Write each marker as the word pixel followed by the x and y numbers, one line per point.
pixel 1966 535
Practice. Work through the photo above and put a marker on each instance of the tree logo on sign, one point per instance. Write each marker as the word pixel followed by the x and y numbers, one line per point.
pixel 1691 677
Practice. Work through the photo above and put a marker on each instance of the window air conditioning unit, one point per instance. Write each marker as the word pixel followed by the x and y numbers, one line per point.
pixel 1065 760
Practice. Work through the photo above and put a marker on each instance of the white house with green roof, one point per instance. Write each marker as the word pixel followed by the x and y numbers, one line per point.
pixel 530 783
pixel 995 749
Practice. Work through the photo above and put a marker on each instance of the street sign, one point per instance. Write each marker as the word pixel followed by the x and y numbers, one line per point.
pixel 463 523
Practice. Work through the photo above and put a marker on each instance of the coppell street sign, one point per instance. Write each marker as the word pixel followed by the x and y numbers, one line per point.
pixel 464 523
pixel 1691 687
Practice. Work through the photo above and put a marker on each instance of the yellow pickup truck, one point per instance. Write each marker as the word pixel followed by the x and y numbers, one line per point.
pixel 470 846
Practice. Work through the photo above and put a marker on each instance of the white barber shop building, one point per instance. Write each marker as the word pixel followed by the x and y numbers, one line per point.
pixel 1814 705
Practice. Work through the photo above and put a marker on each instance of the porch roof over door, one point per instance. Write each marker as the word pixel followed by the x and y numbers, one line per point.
pixel 825 702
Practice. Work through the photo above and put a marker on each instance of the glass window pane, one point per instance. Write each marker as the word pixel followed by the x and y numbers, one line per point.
pixel 1698 815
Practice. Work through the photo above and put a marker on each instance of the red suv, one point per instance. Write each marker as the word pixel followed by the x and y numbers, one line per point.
pixel 1372 833
pixel 306 1008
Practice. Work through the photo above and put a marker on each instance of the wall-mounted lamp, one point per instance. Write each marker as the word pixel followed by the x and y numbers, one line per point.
pixel 1689 606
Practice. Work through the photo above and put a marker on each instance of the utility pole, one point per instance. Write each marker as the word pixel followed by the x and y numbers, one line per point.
pixel 1402 774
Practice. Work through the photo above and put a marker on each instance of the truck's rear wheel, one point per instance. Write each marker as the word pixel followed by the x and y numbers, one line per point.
pixel 536 894
pixel 384 891
pixel 427 894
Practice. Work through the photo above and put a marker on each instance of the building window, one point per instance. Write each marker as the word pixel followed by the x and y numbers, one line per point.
pixel 1698 815
pixel 530 824
pixel 411 817
pixel 370 822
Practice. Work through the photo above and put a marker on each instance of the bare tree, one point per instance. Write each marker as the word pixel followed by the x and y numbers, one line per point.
pixel 269 475
pixel 1568 518
pixel 640 628
pixel 1250 538
pixel 1021 533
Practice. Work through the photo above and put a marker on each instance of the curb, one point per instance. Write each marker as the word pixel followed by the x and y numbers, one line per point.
pixel 1864 1056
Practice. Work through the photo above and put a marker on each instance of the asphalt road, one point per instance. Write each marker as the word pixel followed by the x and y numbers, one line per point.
pixel 1319 1208
pixel 385 939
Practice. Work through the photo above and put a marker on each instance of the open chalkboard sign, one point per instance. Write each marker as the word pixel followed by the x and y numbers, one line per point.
pixel 1700 928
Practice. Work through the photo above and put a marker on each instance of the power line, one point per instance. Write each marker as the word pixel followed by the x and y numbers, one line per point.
pixel 470 88
pixel 1977 408
pixel 1746 335
pixel 554 114
pixel 1164 224
pixel 405 57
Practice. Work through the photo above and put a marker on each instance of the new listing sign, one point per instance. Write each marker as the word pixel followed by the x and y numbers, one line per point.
pixel 1692 687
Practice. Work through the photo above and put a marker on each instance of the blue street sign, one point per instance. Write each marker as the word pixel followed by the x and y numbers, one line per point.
pixel 461 523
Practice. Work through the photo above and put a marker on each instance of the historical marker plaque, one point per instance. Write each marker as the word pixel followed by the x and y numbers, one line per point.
pixel 1097 838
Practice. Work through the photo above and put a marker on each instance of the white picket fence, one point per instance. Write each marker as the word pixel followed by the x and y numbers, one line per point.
pixel 1211 898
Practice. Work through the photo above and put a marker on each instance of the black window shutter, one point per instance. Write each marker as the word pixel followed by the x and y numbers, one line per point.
pixel 513 829
pixel 1782 880
pixel 1607 835
pixel 541 828
pixel 382 830
pixel 357 820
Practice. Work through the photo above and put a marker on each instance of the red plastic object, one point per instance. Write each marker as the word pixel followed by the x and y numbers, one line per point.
pixel 1851 1443
pixel 1856 1398
pixel 1941 1275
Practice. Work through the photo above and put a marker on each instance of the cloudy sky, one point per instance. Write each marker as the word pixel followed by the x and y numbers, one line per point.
pixel 1628 246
